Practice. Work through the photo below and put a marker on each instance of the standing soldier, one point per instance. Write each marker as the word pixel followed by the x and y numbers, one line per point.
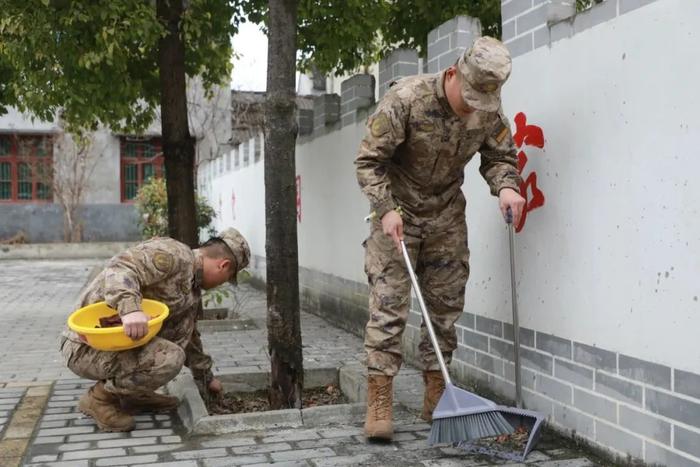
pixel 411 167
pixel 161 269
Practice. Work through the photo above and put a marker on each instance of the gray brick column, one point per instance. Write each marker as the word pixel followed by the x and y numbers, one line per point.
pixel 526 24
pixel 356 92
pixel 398 64
pixel 326 110
pixel 448 40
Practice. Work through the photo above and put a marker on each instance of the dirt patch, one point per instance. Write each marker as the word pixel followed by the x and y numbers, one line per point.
pixel 243 402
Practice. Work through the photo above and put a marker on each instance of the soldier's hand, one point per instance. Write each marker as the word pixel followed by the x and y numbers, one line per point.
pixel 392 225
pixel 215 386
pixel 508 198
pixel 135 324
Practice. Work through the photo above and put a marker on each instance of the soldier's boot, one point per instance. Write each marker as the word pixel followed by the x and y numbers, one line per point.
pixel 380 397
pixel 434 387
pixel 149 402
pixel 104 407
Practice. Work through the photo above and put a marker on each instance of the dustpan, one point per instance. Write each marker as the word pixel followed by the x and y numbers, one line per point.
pixel 517 416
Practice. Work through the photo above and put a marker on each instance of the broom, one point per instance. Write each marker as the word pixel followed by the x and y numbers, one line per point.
pixel 460 415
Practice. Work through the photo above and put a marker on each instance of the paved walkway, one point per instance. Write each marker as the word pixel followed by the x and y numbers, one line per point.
pixel 39 424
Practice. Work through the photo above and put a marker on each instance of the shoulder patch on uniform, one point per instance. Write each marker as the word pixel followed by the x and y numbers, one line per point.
pixel 163 262
pixel 380 125
pixel 500 133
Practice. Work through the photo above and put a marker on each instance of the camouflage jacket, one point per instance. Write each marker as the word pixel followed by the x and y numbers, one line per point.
pixel 161 269
pixel 416 147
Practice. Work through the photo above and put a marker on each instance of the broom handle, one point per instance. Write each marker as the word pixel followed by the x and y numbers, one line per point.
pixel 426 316
pixel 516 325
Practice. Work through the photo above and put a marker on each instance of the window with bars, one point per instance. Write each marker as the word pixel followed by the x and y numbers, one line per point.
pixel 236 157
pixel 26 168
pixel 258 146
pixel 140 160
pixel 246 153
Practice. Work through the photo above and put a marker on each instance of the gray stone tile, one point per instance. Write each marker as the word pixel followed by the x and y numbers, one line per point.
pixel 573 373
pixel 200 453
pixel 488 363
pixel 645 424
pixel 93 454
pixel 521 45
pixel 646 372
pixel 686 383
pixel 579 422
pixel 531 20
pixel 541 37
pixel 501 348
pixel 595 357
pixel 554 345
pixel 475 340
pixel 686 441
pixel 508 30
pixel 489 326
pixel 618 388
pixel 595 405
pixel 618 439
pixel 300 454
pixel 537 361
pixel 466 320
pixel 514 8
pixel 657 455
pixel 550 387
pixel 527 336
pixel 127 460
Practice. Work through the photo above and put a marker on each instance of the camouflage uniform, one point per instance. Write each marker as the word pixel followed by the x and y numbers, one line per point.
pixel 413 157
pixel 161 269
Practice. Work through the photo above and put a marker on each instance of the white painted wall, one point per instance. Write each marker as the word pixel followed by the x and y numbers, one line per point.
pixel 612 258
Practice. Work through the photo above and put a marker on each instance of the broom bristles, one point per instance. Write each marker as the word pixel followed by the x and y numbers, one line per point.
pixel 451 430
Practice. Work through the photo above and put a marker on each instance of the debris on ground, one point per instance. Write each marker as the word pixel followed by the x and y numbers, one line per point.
pixel 17 239
pixel 258 401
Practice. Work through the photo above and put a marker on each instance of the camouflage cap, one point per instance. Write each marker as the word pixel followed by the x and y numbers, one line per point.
pixel 484 67
pixel 238 245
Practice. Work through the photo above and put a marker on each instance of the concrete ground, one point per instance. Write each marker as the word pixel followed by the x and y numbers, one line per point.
pixel 39 423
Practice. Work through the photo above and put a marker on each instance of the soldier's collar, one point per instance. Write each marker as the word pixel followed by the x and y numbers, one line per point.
pixel 441 96
pixel 197 270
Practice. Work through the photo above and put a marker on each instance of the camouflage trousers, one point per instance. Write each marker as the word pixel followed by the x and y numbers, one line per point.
pixel 129 372
pixel 441 262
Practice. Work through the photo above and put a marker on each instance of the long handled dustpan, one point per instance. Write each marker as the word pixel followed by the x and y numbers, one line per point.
pixel 517 416
pixel 460 415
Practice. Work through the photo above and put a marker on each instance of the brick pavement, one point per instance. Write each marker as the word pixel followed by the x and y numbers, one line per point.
pixel 37 296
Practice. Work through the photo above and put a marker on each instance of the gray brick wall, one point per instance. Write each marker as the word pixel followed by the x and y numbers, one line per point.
pixel 356 92
pixel 529 24
pixel 326 110
pixel 448 40
pixel 398 64
pixel 630 410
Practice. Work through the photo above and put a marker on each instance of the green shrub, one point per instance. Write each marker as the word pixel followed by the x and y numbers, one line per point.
pixel 152 206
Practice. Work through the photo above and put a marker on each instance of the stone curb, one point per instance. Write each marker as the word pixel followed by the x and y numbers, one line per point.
pixel 197 420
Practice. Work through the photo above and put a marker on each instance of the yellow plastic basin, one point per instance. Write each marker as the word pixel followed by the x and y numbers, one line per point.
pixel 84 320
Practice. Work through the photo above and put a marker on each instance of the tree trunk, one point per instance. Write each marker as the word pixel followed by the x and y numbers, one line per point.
pixel 283 320
pixel 178 145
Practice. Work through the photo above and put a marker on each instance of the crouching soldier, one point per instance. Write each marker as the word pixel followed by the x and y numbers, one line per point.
pixel 161 269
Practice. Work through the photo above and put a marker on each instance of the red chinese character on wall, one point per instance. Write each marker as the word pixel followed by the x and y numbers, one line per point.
pixel 298 198
pixel 528 135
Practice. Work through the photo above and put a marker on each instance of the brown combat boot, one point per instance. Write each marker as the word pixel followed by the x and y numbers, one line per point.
pixel 104 407
pixel 434 386
pixel 380 397
pixel 151 402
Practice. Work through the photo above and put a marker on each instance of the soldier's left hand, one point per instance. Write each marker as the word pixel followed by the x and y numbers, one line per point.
pixel 215 386
pixel 508 198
